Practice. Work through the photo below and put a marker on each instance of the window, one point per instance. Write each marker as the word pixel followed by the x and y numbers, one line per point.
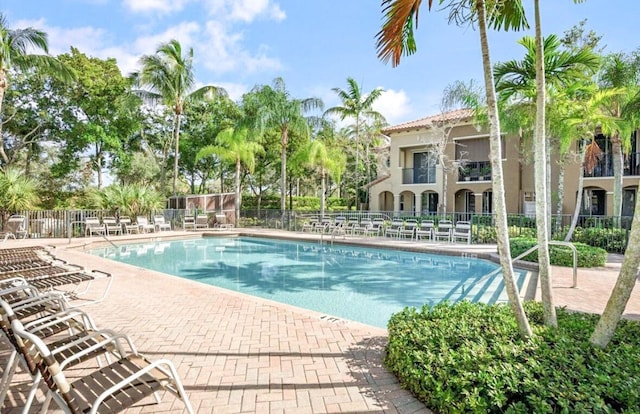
pixel 424 167
pixel 487 202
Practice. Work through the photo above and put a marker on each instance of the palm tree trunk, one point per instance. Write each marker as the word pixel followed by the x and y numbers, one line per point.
pixel 624 285
pixel 238 193
pixel 540 171
pixel 576 212
pixel 283 174
pixel 323 177
pixel 495 155
pixel 176 137
pixel 616 149
pixel 561 172
pixel 3 88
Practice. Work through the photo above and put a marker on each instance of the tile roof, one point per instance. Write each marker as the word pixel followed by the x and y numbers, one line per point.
pixel 456 115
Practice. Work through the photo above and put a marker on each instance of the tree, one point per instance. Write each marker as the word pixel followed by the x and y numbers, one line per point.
pixel 525 83
pixel 621 72
pixel 170 78
pixel 99 100
pixel 359 107
pixel 397 38
pixel 284 113
pixel 234 145
pixel 15 45
pixel 17 192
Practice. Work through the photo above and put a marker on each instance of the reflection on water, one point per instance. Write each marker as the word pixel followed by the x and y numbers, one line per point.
pixel 362 284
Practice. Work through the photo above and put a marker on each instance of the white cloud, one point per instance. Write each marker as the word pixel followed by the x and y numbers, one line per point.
pixel 185 32
pixel 235 90
pixel 162 6
pixel 394 105
pixel 222 51
pixel 245 10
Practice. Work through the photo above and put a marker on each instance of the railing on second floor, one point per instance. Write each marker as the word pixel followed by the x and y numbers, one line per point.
pixel 604 167
pixel 426 175
pixel 475 171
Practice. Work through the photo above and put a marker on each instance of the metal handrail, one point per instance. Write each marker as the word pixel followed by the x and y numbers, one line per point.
pixel 531 250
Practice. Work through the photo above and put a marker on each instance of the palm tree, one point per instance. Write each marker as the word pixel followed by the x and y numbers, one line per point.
pixel 329 161
pixel 286 115
pixel 544 67
pixel 17 192
pixel 15 45
pixel 397 38
pixel 234 146
pixel 359 107
pixel 170 78
pixel 620 72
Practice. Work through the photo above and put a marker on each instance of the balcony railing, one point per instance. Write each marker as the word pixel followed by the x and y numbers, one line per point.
pixel 604 167
pixel 475 171
pixel 425 175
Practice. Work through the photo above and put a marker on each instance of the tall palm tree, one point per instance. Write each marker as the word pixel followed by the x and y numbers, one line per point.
pixel 397 38
pixel 286 114
pixel 330 161
pixel 15 45
pixel 544 67
pixel 234 145
pixel 620 72
pixel 358 106
pixel 169 77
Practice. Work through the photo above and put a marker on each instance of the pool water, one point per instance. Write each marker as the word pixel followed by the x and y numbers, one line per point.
pixel 357 283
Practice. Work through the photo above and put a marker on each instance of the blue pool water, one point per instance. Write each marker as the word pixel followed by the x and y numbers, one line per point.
pixel 356 283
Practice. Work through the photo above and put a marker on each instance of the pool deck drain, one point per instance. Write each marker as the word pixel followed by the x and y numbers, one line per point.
pixel 241 354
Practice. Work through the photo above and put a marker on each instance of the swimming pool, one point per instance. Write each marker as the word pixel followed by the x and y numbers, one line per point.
pixel 357 283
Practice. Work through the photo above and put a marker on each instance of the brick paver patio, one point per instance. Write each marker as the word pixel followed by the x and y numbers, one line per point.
pixel 240 354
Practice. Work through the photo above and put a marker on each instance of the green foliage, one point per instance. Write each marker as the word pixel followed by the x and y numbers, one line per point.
pixel 610 239
pixel 128 200
pixel 588 256
pixel 17 191
pixel 470 358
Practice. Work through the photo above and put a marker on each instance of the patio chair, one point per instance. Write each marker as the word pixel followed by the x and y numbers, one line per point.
pixel 351 225
pixel 377 227
pixel 111 389
pixel 221 222
pixel 394 229
pixel 443 231
pixel 461 231
pixel 202 221
pixel 425 230
pixel 128 226
pixel 111 226
pixel 16 227
pixel 409 228
pixel 144 226
pixel 363 227
pixel 324 225
pixel 189 222
pixel 160 223
pixel 310 224
pixel 93 226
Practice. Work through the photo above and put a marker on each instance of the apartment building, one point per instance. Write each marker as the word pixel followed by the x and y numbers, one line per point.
pixel 441 164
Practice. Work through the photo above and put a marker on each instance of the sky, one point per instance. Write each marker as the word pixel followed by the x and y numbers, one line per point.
pixel 313 45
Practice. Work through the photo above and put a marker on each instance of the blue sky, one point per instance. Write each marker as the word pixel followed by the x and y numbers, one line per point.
pixel 314 45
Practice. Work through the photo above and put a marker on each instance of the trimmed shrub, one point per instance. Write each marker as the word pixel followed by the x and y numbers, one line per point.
pixel 610 239
pixel 588 256
pixel 469 358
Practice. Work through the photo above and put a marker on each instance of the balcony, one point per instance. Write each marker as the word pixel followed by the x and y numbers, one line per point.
pixel 475 171
pixel 425 175
pixel 604 167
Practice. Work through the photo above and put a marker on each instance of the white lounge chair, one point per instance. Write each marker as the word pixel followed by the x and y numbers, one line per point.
pixel 394 229
pixel 92 225
pixel 160 223
pixel 409 228
pixel 189 222
pixel 111 226
pixel 461 231
pixel 144 226
pixel 128 226
pixel 425 230
pixel 202 221
pixel 16 227
pixel 221 222
pixel 443 231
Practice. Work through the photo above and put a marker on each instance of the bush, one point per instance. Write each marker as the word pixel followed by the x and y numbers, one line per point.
pixel 611 239
pixel 588 256
pixel 470 358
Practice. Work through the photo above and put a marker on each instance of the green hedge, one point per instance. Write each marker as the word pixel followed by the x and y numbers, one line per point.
pixel 469 358
pixel 588 256
pixel 611 239
pixel 299 203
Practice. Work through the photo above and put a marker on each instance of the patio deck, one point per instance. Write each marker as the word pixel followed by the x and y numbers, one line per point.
pixel 240 354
